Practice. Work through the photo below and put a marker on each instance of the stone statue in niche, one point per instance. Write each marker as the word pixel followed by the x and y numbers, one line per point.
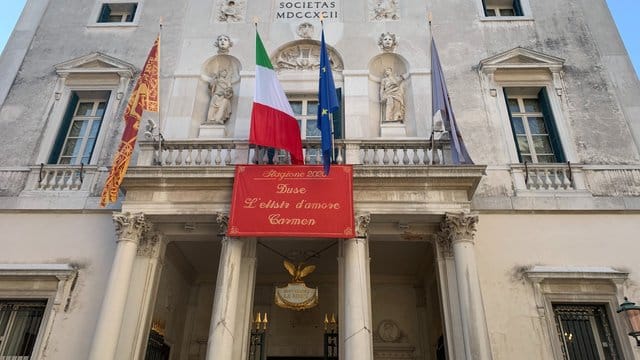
pixel 230 11
pixel 385 10
pixel 305 30
pixel 392 96
pixel 221 95
pixel 387 42
pixel 223 43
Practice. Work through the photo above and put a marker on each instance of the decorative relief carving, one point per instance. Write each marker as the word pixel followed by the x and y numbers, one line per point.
pixel 305 30
pixel 231 10
pixel 129 227
pixel 444 243
pixel 390 342
pixel 387 42
pixel 388 331
pixel 149 241
pixel 460 227
pixel 223 43
pixel 362 225
pixel 223 222
pixel 304 56
pixel 380 10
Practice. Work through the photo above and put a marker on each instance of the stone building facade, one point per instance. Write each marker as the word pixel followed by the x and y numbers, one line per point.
pixel 525 255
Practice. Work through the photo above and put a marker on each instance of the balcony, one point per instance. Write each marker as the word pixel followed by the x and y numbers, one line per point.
pixel 216 153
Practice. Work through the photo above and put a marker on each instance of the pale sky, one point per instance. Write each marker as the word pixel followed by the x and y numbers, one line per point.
pixel 625 12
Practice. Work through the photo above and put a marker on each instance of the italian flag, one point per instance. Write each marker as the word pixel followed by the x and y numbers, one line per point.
pixel 272 120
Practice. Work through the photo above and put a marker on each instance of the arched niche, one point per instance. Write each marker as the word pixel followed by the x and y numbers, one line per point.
pixel 298 63
pixel 380 125
pixel 209 69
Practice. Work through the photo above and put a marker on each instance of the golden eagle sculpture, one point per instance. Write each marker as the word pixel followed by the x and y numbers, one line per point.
pixel 298 272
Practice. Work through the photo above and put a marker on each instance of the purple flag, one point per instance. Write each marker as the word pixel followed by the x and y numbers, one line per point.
pixel 443 112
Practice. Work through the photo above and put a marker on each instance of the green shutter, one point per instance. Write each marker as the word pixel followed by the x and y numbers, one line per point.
pixel 104 13
pixel 337 116
pixel 513 131
pixel 517 8
pixel 484 7
pixel 64 129
pixel 132 16
pixel 550 122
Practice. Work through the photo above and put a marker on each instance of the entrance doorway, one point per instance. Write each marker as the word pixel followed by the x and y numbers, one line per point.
pixel 291 333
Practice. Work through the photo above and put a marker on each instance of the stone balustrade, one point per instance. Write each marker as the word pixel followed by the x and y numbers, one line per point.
pixel 527 179
pixel 356 152
pixel 548 177
pixel 62 178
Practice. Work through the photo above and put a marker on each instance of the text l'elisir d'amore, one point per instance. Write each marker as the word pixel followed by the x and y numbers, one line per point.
pixel 281 189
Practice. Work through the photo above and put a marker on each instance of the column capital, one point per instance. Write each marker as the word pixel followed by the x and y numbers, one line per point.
pixel 222 219
pixel 460 227
pixel 444 243
pixel 362 225
pixel 129 227
pixel 149 241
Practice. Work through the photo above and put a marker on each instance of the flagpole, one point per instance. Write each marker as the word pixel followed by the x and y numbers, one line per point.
pixel 333 138
pixel 433 120
pixel 256 149
pixel 160 137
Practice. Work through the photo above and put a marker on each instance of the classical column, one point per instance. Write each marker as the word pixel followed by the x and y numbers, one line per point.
pixel 138 312
pixel 357 330
pixel 460 230
pixel 225 301
pixel 449 297
pixel 129 228
pixel 245 298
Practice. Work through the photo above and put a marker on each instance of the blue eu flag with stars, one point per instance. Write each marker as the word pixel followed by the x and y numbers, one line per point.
pixel 328 103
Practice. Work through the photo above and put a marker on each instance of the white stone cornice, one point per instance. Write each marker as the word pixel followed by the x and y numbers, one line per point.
pixel 520 58
pixel 95 63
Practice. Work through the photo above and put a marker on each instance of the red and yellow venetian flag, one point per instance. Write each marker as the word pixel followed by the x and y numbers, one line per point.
pixel 144 97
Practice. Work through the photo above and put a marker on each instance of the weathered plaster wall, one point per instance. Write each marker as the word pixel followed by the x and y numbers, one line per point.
pixel 86 241
pixel 505 243
pixel 25 112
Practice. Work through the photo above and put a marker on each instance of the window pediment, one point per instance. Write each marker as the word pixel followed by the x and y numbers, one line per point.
pixel 519 59
pixel 95 63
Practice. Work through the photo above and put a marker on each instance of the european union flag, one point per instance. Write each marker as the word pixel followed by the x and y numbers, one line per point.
pixel 328 103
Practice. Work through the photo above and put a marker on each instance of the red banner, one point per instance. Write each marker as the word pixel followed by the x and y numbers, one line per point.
pixel 143 97
pixel 292 201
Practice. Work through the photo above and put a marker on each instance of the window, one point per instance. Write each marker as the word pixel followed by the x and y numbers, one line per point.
pixel 117 12
pixel 19 327
pixel 500 8
pixel 584 332
pixel 80 127
pixel 305 110
pixel 575 306
pixel 31 296
pixel 533 125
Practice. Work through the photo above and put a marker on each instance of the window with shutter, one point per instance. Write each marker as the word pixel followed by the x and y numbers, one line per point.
pixel 533 125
